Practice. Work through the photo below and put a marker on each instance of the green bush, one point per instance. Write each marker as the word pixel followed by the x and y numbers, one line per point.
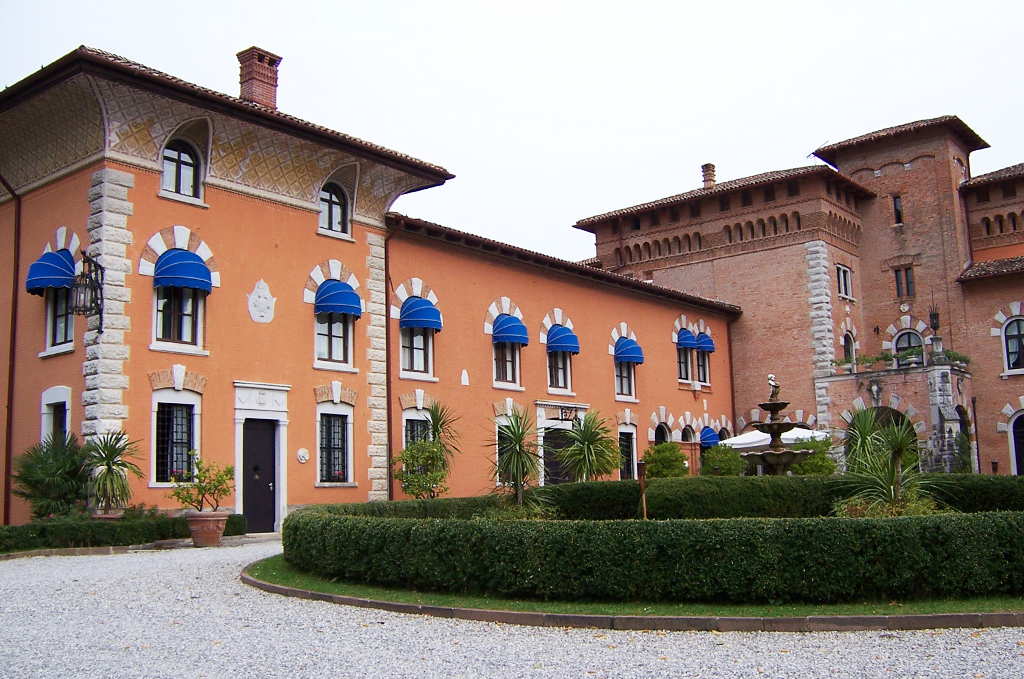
pixel 736 560
pixel 440 508
pixel 711 497
pixel 665 460
pixel 596 500
pixel 421 470
pixel 818 462
pixel 727 460
pixel 135 530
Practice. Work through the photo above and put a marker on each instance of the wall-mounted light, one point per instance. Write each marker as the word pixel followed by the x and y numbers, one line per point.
pixel 87 290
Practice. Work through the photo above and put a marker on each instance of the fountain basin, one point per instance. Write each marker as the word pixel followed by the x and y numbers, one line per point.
pixel 776 462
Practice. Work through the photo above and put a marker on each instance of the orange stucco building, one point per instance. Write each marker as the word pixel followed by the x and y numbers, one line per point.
pixel 259 303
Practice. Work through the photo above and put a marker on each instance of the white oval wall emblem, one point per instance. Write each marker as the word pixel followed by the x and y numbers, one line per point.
pixel 302 455
pixel 261 303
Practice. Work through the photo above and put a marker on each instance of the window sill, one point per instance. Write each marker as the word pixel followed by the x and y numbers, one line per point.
pixel 179 198
pixel 555 391
pixel 626 399
pixel 1012 373
pixel 161 484
pixel 320 364
pixel 508 386
pixel 847 298
pixel 337 235
pixel 335 484
pixel 172 348
pixel 418 377
pixel 57 350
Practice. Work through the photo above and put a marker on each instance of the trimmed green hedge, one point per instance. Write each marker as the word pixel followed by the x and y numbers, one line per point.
pixel 60 533
pixel 440 508
pixel 734 560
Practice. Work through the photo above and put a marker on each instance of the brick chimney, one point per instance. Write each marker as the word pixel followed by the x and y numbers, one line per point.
pixel 258 76
pixel 709 175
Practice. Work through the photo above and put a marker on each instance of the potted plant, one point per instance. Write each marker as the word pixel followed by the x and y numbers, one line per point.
pixel 109 462
pixel 867 361
pixel 910 358
pixel 886 359
pixel 208 486
pixel 957 359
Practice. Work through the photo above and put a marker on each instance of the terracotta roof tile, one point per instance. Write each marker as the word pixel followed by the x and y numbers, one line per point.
pixel 997 267
pixel 829 152
pixel 722 187
pixel 496 248
pixel 998 175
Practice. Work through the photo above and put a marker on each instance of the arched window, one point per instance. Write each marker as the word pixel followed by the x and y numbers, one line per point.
pixel 785 223
pixel 1013 340
pixel 629 255
pixel 724 434
pixel 657 248
pixel 688 434
pixel 666 246
pixel 636 253
pixel 849 355
pixel 1013 221
pixel 696 241
pixel 796 220
pixel 181 169
pixel 687 243
pixel 750 230
pixel 773 226
pixel 662 434
pixel 333 209
pixel 1018 443
pixel 761 228
pixel 647 250
pixel 618 257
pixel 905 342
pixel 738 230
pixel 987 225
pixel 728 233
pixel 999 223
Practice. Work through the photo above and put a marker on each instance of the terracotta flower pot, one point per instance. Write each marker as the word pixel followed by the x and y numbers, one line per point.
pixel 207 528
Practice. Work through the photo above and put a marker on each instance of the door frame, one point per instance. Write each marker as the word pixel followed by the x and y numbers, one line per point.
pixel 263 401
pixel 543 423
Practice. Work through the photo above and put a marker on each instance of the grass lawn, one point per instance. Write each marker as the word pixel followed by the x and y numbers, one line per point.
pixel 278 571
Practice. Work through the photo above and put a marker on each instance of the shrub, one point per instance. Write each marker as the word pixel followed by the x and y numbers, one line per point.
pixel 518 461
pixel 818 462
pixel 110 459
pixel 665 460
pixel 727 460
pixel 136 528
pixel 52 475
pixel 592 451
pixel 208 486
pixel 721 497
pixel 421 470
pixel 597 500
pixel 735 560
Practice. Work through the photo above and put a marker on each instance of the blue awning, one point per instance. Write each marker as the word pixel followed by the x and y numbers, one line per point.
pixel 628 351
pixel 561 338
pixel 708 437
pixel 336 297
pixel 508 328
pixel 418 312
pixel 686 340
pixel 52 270
pixel 182 269
pixel 705 343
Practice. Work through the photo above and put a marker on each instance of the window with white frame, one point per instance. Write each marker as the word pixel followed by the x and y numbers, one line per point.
pixel 560 370
pixel 627 451
pixel 415 426
pixel 416 350
pixel 334 209
pixel 334 430
pixel 60 320
pixel 908 341
pixel 175 434
pixel 683 364
pixel 334 338
pixel 502 443
pixel 1013 343
pixel 178 315
pixel 506 362
pixel 181 169
pixel 703 366
pixel 844 280
pixel 849 348
pixel 55 413
pixel 624 373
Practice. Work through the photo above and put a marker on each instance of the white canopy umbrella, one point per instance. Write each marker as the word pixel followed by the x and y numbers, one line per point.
pixel 753 440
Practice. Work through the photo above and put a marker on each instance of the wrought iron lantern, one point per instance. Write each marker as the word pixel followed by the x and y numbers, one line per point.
pixel 87 290
pixel 933 317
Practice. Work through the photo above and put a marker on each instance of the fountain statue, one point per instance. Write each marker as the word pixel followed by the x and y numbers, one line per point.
pixel 776 460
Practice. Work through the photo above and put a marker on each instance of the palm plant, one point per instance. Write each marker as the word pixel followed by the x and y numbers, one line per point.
pixel 518 461
pixel 109 461
pixel 52 475
pixel 442 421
pixel 861 436
pixel 592 451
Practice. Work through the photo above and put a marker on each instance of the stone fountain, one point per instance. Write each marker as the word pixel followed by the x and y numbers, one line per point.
pixel 776 460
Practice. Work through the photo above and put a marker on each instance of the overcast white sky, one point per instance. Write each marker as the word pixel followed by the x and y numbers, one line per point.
pixel 549 112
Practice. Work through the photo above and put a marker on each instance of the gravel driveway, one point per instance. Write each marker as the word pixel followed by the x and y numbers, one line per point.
pixel 184 613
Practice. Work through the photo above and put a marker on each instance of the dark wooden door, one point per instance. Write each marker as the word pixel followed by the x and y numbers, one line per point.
pixel 259 496
pixel 554 471
pixel 1018 443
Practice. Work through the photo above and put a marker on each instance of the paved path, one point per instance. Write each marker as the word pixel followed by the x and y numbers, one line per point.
pixel 184 613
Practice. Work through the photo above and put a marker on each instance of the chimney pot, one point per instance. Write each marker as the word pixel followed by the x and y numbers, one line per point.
pixel 258 76
pixel 708 169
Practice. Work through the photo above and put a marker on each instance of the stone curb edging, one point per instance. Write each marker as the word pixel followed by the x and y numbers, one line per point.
pixel 823 623
pixel 173 543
